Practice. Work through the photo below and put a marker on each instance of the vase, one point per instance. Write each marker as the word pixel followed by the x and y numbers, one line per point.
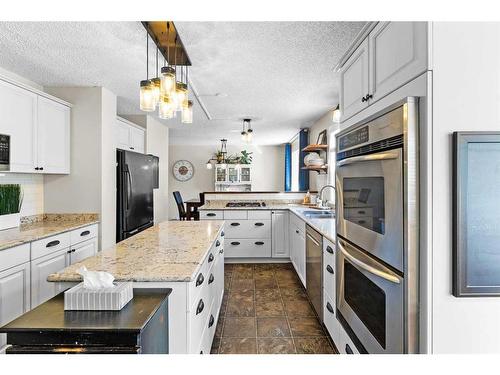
pixel 10 221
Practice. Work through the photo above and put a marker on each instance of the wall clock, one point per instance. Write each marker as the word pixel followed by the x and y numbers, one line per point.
pixel 183 170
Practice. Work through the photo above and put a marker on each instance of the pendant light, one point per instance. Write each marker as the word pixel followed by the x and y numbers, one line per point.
pixel 167 86
pixel 166 108
pixel 247 132
pixel 336 114
pixel 187 113
pixel 156 82
pixel 146 92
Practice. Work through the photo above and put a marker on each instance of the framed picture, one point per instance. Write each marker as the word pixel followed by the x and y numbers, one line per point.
pixel 322 140
pixel 476 214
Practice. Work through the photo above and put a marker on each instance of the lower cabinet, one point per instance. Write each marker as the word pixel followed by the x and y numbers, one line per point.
pixel 14 295
pixel 279 233
pixel 298 249
pixel 41 268
pixel 83 250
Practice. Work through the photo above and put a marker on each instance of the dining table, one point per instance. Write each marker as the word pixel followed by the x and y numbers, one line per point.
pixel 192 209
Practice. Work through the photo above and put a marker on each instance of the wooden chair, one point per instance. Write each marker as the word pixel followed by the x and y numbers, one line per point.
pixel 180 205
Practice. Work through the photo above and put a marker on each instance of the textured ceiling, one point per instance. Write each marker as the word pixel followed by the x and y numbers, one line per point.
pixel 279 73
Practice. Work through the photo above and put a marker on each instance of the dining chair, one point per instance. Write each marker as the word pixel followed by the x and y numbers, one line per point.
pixel 180 205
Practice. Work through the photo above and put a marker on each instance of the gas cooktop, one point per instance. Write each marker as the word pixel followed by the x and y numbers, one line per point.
pixel 246 204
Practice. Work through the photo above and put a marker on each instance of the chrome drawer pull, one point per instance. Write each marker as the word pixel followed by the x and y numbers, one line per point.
pixel 211 278
pixel 329 269
pixel 329 249
pixel 210 258
pixel 211 321
pixel 217 243
pixel 329 307
pixel 201 306
pixel 200 279
pixel 222 234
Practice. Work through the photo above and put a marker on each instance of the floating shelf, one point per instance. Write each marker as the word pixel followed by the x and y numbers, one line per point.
pixel 314 148
pixel 317 169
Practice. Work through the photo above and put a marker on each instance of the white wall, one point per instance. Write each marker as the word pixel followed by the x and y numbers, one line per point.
pixel 91 185
pixel 268 170
pixel 466 92
pixel 157 144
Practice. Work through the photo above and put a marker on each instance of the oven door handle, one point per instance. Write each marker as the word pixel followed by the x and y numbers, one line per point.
pixel 373 157
pixel 366 267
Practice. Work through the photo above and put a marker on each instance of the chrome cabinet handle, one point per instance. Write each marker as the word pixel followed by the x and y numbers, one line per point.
pixel 200 279
pixel 329 269
pixel 366 267
pixel 373 157
pixel 329 307
pixel 200 307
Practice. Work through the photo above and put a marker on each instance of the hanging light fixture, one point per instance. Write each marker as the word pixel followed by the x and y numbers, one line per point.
pixel 336 114
pixel 147 101
pixel 187 113
pixel 156 82
pixel 167 86
pixel 247 132
pixel 166 108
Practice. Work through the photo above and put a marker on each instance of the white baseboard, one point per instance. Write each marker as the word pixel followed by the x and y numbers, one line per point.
pixel 256 260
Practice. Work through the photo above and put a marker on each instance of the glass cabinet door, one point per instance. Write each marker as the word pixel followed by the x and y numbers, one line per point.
pixel 220 174
pixel 233 174
pixel 245 174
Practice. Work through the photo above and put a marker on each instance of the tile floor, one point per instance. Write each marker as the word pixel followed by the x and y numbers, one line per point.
pixel 265 310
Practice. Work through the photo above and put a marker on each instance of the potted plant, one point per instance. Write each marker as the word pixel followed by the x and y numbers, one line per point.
pixel 11 199
pixel 246 157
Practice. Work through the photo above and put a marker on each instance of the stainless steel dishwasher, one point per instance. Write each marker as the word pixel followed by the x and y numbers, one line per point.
pixel 314 269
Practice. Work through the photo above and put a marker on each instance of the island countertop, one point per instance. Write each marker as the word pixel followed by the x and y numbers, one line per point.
pixel 168 251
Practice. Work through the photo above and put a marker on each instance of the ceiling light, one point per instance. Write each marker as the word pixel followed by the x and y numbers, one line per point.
pixel 167 72
pixel 336 114
pixel 166 108
pixel 187 113
pixel 247 132
pixel 147 98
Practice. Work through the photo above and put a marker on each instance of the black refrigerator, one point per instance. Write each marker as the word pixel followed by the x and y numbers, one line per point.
pixel 136 177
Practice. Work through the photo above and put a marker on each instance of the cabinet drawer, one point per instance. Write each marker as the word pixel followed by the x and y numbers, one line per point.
pixel 235 214
pixel 298 223
pixel 83 234
pixel 211 215
pixel 259 215
pixel 198 317
pixel 248 229
pixel 14 256
pixel 330 319
pixel 208 333
pixel 247 248
pixel 49 245
pixel 329 279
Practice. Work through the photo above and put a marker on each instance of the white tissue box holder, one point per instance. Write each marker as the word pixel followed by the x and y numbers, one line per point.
pixel 79 298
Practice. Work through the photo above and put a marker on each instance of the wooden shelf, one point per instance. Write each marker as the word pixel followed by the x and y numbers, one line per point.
pixel 314 148
pixel 317 169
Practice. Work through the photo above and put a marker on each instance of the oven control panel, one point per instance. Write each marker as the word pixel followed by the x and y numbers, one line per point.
pixel 354 138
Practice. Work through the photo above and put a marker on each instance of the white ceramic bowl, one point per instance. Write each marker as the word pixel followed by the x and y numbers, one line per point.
pixel 311 156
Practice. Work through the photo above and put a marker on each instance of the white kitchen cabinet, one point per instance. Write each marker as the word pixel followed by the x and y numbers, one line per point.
pixel 398 53
pixel 14 295
pixel 298 248
pixel 53 136
pixel 280 243
pixel 354 84
pixel 129 137
pixel 18 120
pixel 41 268
pixel 39 130
pixel 83 250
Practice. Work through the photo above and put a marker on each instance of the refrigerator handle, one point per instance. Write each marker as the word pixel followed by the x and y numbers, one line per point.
pixel 129 185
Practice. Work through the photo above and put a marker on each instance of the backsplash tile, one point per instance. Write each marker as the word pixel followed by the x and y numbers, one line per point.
pixel 32 185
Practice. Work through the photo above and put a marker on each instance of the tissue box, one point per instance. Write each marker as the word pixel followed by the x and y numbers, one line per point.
pixel 79 298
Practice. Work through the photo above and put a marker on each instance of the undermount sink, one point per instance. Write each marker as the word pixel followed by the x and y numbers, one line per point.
pixel 319 214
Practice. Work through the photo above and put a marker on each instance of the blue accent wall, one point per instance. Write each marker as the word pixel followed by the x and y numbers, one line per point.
pixel 288 167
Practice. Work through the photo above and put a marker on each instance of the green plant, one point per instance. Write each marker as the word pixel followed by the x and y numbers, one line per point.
pixel 11 199
pixel 246 157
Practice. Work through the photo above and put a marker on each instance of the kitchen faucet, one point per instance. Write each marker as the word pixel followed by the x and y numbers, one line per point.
pixel 320 196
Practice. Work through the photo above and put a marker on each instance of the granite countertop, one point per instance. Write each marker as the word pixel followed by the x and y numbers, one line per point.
pixel 41 226
pixel 168 251
pixel 325 226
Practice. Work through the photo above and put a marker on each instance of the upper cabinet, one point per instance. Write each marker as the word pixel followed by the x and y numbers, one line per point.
pixel 53 136
pixel 354 82
pixel 39 130
pixel 129 137
pixel 391 55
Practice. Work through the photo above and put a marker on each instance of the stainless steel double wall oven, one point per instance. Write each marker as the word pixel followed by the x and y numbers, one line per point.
pixel 377 230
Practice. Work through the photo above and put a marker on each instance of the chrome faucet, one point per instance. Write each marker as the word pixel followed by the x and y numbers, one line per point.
pixel 320 196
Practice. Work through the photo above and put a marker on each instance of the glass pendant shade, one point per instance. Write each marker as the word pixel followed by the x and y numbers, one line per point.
pixel 249 136
pixel 166 108
pixel 336 115
pixel 156 82
pixel 167 86
pixel 181 95
pixel 187 113
pixel 244 136
pixel 147 100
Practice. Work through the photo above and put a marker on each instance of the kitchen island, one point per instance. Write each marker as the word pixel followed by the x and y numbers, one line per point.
pixel 187 257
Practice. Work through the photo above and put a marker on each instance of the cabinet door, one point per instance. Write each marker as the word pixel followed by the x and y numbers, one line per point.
pixel 301 257
pixel 279 225
pixel 83 250
pixel 18 119
pixel 14 295
pixel 354 82
pixel 122 135
pixel 41 268
pixel 53 136
pixel 398 53
pixel 136 139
